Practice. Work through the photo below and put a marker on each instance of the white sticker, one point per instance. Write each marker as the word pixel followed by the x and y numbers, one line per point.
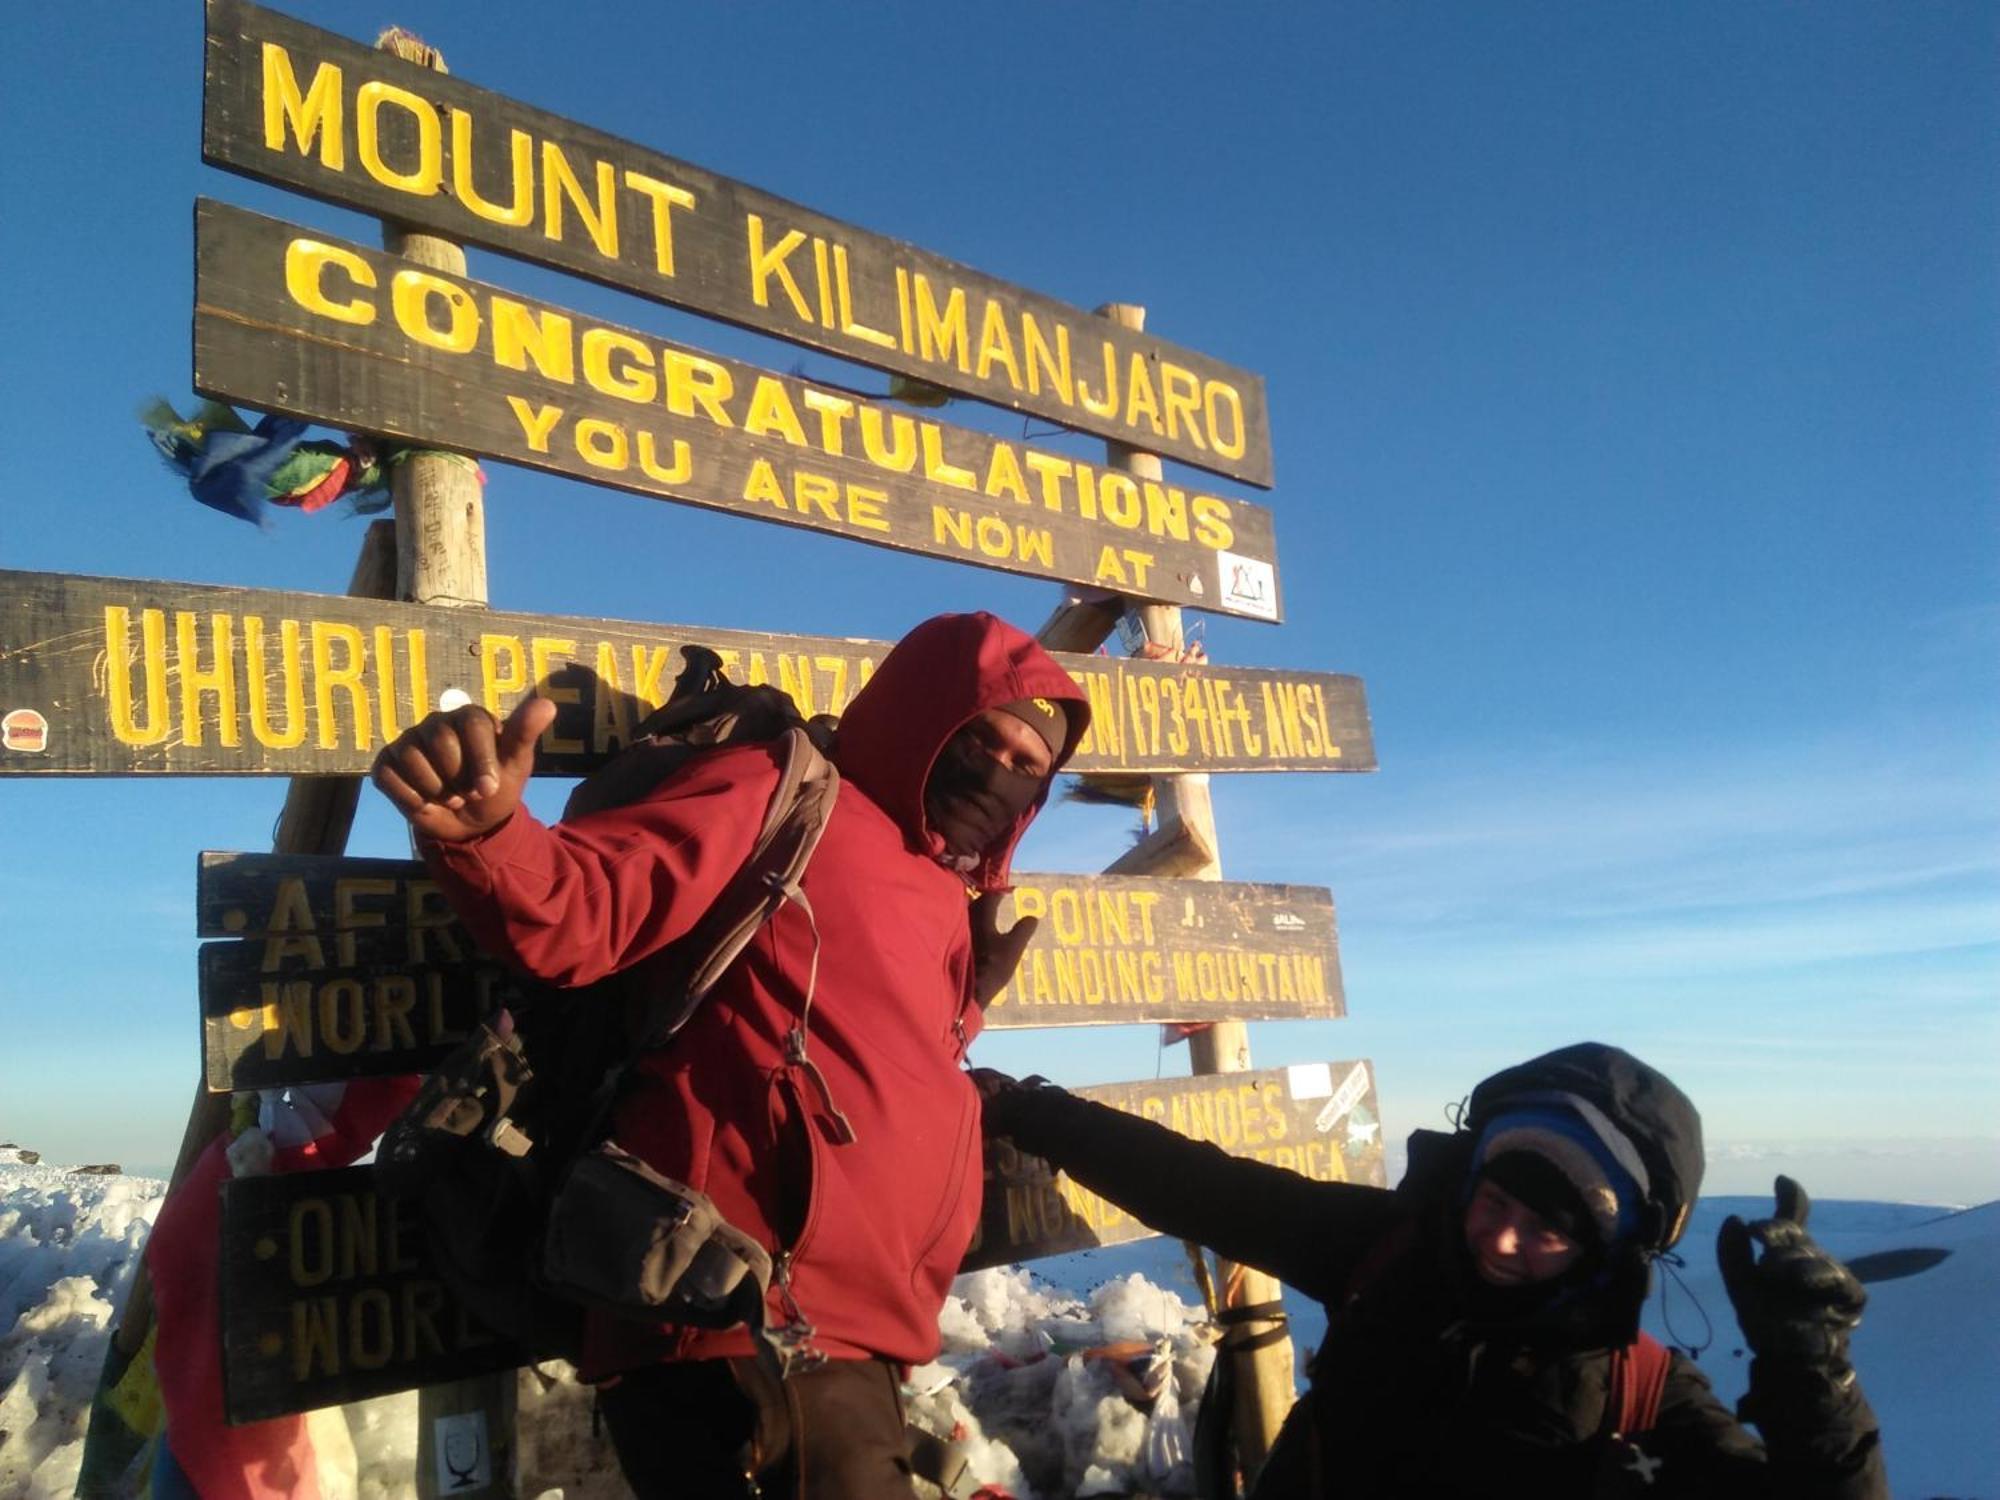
pixel 1288 921
pixel 1353 1089
pixel 464 1462
pixel 1248 585
pixel 452 698
pixel 1309 1080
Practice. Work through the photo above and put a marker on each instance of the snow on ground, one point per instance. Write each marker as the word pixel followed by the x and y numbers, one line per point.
pixel 1079 1376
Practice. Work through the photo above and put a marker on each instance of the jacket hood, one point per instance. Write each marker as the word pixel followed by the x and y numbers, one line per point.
pixel 942 674
pixel 1649 1115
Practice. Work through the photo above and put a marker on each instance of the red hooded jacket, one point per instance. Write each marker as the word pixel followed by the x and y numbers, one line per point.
pixel 884 1224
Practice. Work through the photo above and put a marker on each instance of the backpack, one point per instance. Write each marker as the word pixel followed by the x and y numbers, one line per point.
pixel 532 1214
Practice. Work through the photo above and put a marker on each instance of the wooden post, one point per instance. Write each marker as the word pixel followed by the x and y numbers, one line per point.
pixel 1183 844
pixel 441 559
pixel 317 817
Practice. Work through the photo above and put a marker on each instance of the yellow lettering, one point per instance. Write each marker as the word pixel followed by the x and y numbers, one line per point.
pixel 844 291
pixel 833 411
pixel 219 678
pixel 427 176
pixel 901 456
pixel 536 423
pixel 942 336
pixel 766 263
pixel 521 161
pixel 996 345
pixel 560 183
pixel 693 381
pixel 936 468
pixel 291 684
pixel 1003 475
pixel 1044 361
pixel 1211 522
pixel 414 293
pixel 521 334
pixel 1140 402
pixel 665 198
pixel 153 663
pixel 771 413
pixel 650 465
pixel 316 113
pixel 602 444
pixel 1183 397
pixel 305 280
pixel 630 378
pixel 1216 396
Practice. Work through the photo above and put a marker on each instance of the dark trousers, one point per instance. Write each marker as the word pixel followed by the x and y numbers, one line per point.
pixel 726 1428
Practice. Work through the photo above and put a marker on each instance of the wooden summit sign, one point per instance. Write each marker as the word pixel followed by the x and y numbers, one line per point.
pixel 291 320
pixel 329 1294
pixel 336 968
pixel 303 108
pixel 104 676
pixel 1316 1119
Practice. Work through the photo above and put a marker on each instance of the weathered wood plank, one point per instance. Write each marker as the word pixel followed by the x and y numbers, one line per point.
pixel 346 967
pixel 269 1023
pixel 147 677
pixel 1317 1119
pixel 305 109
pixel 291 320
pixel 329 1295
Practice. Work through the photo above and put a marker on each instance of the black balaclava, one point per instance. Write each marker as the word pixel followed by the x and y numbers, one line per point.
pixel 972 800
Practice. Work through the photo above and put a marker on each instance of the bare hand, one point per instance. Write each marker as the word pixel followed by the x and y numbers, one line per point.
pixel 459 774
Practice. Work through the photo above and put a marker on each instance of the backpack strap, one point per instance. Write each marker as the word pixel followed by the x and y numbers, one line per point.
pixel 794 820
pixel 1638 1385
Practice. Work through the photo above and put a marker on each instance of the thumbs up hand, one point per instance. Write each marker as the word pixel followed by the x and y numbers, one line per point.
pixel 459 774
pixel 1794 1301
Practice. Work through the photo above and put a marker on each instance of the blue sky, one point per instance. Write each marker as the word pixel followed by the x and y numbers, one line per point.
pixel 1632 378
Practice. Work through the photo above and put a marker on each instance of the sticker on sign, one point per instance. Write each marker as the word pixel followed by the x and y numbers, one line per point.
pixel 464 1461
pixel 1353 1088
pixel 1310 1080
pixel 1248 584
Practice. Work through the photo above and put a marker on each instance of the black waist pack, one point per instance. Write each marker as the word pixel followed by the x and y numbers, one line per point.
pixel 532 1214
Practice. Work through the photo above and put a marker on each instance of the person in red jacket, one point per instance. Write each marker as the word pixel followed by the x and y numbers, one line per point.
pixel 844 1134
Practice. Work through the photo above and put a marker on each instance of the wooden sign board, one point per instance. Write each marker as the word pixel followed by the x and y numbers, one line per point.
pixel 341 968
pixel 329 1295
pixel 293 321
pixel 1116 950
pixel 1317 1119
pixel 265 1027
pixel 102 676
pixel 306 109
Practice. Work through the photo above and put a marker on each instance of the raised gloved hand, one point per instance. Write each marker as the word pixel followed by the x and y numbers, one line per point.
pixel 996 954
pixel 1795 1301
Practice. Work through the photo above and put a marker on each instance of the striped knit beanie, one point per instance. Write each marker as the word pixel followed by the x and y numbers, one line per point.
pixel 1565 1167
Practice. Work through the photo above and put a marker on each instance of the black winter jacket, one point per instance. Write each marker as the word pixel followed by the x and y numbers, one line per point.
pixel 1428 1384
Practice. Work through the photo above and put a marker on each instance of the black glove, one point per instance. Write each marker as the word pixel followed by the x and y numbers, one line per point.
pixel 1006 1101
pixel 1795 1302
pixel 996 954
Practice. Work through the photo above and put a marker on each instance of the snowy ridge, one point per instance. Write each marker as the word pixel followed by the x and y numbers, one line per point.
pixel 1048 1392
